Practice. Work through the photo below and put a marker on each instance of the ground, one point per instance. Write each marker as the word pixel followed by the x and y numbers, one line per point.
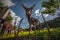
pixel 42 34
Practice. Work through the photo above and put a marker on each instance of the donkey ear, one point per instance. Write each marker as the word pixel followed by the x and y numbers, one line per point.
pixel 33 6
pixel 23 6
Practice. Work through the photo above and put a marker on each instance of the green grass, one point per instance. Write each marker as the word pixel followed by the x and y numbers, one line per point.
pixel 55 33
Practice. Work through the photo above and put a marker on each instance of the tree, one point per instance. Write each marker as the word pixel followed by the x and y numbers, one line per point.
pixel 7 16
pixel 58 8
pixel 50 8
pixel 2 10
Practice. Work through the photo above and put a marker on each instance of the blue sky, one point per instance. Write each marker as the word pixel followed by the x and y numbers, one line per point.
pixel 19 10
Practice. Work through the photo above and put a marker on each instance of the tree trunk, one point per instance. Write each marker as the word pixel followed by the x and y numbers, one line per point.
pixel 46 24
pixel 6 13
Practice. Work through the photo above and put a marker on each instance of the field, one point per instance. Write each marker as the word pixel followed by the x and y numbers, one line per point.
pixel 41 35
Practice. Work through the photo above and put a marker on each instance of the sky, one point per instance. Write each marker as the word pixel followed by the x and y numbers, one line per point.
pixel 15 6
pixel 13 15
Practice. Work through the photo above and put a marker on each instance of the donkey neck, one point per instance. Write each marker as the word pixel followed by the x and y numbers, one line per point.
pixel 29 16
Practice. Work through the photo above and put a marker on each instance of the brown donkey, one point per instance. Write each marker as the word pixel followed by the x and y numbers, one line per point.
pixel 33 22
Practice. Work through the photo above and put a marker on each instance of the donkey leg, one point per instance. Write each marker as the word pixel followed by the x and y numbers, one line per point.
pixel 35 32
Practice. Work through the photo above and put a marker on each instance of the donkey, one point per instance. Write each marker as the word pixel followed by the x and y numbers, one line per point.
pixel 32 21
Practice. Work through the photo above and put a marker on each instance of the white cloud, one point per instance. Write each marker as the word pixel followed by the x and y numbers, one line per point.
pixel 42 9
pixel 45 15
pixel 7 3
pixel 14 16
pixel 12 13
pixel 37 11
pixel 18 19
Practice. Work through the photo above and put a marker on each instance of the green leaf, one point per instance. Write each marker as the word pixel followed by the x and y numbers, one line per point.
pixel 51 6
pixel 2 10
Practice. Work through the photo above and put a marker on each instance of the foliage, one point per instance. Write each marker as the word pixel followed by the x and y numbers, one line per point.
pixel 9 18
pixel 56 22
pixel 53 23
pixel 50 6
pixel 42 35
pixel 1 3
pixel 2 10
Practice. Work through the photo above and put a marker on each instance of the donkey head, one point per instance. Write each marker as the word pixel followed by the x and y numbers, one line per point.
pixel 28 10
